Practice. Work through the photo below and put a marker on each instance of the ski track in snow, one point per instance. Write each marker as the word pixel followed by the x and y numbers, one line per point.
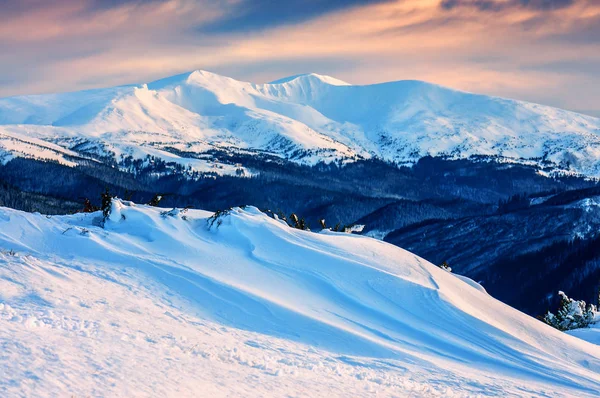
pixel 161 305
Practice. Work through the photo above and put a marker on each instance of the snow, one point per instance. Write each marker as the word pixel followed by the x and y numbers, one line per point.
pixel 156 303
pixel 591 334
pixel 311 118
pixel 312 76
pixel 12 145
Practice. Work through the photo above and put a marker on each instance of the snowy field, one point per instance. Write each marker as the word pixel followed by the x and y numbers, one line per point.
pixel 162 305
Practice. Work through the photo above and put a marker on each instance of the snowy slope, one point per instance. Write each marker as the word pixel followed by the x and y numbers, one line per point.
pixel 309 118
pixel 13 145
pixel 162 305
pixel 591 334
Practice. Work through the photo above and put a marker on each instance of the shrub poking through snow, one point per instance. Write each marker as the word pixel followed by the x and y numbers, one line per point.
pixel 111 208
pixel 106 203
pixel 571 314
pixel 298 223
pixel 155 201
pixel 354 228
pixel 115 214
pixel 348 228
pixel 445 266
pixel 175 212
pixel 277 215
pixel 293 221
pixel 10 252
pixel 88 207
pixel 217 218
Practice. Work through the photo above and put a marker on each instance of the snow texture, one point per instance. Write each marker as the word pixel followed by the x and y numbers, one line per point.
pixel 157 303
pixel 591 334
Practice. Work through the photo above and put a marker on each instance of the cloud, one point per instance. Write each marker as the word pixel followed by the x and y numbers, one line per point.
pixel 527 50
pixel 19 6
pixel 500 5
pixel 252 15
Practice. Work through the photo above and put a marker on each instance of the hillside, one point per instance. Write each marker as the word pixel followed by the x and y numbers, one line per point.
pixel 545 246
pixel 160 302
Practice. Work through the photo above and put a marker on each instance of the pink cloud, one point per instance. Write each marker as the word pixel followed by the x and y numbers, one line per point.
pixel 515 51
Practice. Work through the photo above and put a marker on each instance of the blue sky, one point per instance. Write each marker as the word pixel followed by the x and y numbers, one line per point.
pixel 545 51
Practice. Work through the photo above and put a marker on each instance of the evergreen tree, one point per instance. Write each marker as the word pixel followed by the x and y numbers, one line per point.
pixel 88 207
pixel 302 225
pixel 106 201
pixel 571 314
pixel 298 223
pixel 155 200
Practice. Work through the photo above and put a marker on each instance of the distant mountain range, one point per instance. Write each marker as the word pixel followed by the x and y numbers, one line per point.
pixel 307 119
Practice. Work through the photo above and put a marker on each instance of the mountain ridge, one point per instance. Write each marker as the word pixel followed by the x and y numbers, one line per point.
pixel 309 118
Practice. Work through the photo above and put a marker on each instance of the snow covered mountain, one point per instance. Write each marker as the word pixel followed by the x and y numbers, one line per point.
pixel 160 302
pixel 306 118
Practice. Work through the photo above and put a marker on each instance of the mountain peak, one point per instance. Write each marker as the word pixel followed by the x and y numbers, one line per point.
pixel 312 77
pixel 194 76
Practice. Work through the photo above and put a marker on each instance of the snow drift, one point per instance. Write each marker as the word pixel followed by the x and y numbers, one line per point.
pixel 306 118
pixel 159 302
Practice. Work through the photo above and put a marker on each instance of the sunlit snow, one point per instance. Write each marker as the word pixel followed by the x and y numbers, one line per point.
pixel 158 303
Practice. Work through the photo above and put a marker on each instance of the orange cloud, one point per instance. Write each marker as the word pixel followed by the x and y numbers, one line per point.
pixel 536 53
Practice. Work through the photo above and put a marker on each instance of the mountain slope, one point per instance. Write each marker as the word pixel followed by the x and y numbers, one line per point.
pixel 160 302
pixel 309 118
pixel 545 247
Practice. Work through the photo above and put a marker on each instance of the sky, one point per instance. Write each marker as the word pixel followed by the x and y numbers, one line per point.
pixel 545 51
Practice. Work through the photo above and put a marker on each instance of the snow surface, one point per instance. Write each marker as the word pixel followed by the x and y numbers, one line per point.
pixel 156 303
pixel 591 334
pixel 14 145
pixel 311 118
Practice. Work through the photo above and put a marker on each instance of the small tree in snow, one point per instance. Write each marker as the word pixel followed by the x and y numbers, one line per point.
pixel 571 314
pixel 298 223
pixel 322 222
pixel 358 228
pixel 339 227
pixel 175 212
pixel 88 207
pixel 106 201
pixel 445 266
pixel 155 201
pixel 303 225
pixel 217 218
